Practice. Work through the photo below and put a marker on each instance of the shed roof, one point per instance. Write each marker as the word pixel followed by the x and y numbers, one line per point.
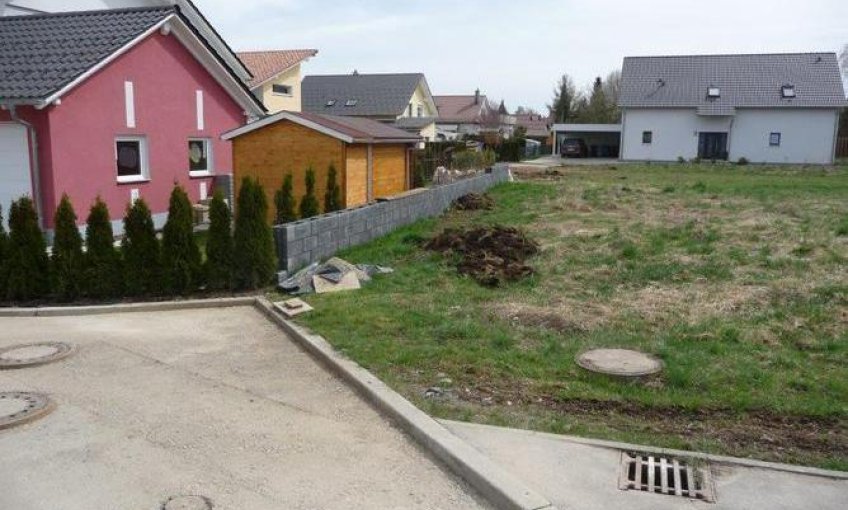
pixel 264 65
pixel 357 94
pixel 347 129
pixel 753 80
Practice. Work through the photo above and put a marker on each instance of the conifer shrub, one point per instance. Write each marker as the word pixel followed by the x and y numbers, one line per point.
pixel 140 251
pixel 309 204
pixel 333 195
pixel 67 257
pixel 253 241
pixel 284 201
pixel 181 260
pixel 102 260
pixel 219 246
pixel 27 265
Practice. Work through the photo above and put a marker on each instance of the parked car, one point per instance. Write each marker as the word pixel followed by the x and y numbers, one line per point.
pixel 574 148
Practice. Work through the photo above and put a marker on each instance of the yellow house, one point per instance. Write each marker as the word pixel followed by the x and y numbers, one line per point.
pixel 401 99
pixel 277 77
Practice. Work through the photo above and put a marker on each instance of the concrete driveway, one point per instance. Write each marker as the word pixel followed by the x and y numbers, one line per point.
pixel 215 402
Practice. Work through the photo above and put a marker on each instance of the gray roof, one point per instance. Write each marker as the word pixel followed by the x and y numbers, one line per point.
pixel 414 122
pixel 42 53
pixel 743 80
pixel 375 94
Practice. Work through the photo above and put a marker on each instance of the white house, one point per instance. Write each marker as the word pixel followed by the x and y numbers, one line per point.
pixel 766 108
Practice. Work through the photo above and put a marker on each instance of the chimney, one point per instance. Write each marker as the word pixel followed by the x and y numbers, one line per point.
pixel 355 72
pixel 477 96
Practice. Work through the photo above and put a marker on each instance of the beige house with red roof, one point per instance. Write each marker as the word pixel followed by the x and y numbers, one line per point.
pixel 277 77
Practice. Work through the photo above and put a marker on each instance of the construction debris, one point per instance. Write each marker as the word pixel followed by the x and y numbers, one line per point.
pixel 490 255
pixel 332 276
pixel 473 201
pixel 293 307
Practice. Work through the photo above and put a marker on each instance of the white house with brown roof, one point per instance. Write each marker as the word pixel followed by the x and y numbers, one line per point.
pixel 766 108
pixel 277 77
pixel 472 114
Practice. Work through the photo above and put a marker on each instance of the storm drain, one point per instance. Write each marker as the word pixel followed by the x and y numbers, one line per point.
pixel 19 407
pixel 187 502
pixel 665 475
pixel 28 355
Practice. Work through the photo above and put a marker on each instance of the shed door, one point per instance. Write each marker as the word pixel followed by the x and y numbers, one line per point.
pixel 14 166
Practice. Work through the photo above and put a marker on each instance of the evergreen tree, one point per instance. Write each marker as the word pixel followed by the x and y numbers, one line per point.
pixel 68 260
pixel 181 261
pixel 102 260
pixel 4 253
pixel 140 250
pixel 27 265
pixel 333 195
pixel 284 201
pixel 219 247
pixel 565 96
pixel 309 204
pixel 254 243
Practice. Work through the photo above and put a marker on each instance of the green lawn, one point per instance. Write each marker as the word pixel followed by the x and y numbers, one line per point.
pixel 735 276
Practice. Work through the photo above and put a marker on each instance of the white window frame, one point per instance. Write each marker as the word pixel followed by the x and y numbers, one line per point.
pixel 290 93
pixel 144 176
pixel 210 160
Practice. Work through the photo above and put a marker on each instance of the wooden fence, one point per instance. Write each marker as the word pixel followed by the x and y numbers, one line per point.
pixel 842 147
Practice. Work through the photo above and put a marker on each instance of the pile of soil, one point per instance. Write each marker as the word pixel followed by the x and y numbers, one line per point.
pixel 473 201
pixel 490 255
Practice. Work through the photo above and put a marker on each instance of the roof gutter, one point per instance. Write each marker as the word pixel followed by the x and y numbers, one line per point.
pixel 34 169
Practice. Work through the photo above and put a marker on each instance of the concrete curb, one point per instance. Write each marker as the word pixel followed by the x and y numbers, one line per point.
pixel 718 459
pixel 153 306
pixel 495 484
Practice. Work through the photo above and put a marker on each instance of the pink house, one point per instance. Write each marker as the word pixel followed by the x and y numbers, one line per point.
pixel 117 103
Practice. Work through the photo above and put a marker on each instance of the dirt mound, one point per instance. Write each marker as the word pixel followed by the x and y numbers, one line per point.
pixel 473 201
pixel 490 255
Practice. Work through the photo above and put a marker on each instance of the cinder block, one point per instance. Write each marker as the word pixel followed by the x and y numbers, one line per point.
pixel 310 243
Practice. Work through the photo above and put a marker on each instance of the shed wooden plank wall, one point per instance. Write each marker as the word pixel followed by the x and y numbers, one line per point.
pixel 356 178
pixel 269 153
pixel 389 170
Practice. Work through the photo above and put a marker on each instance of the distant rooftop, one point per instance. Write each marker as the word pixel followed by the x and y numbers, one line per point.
pixel 264 65
pixel 375 95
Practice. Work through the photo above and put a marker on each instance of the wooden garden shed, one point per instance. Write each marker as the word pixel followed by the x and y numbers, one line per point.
pixel 372 159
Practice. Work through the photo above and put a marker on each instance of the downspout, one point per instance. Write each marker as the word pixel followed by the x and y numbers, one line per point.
pixel 34 167
pixel 835 138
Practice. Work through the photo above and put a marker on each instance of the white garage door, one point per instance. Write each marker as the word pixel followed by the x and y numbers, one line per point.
pixel 14 165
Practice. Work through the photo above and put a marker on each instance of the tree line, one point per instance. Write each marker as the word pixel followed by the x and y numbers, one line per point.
pixel 597 104
pixel 238 257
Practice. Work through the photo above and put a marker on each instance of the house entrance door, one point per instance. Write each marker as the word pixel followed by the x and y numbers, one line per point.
pixel 712 145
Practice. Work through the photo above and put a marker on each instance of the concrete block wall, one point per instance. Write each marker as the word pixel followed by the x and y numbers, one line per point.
pixel 302 242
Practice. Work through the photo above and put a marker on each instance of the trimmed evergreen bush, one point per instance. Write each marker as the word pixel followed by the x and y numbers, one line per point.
pixel 333 195
pixel 4 251
pixel 27 265
pixel 181 261
pixel 309 204
pixel 102 261
pixel 140 250
pixel 254 258
pixel 284 201
pixel 67 257
pixel 219 247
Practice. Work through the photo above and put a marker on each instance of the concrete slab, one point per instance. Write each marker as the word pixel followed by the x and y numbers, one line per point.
pixel 216 403
pixel 578 475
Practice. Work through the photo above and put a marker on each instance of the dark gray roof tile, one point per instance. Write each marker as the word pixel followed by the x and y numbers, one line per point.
pixel 744 80
pixel 40 54
pixel 375 94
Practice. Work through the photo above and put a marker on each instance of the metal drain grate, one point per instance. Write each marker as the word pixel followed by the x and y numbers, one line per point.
pixel 662 475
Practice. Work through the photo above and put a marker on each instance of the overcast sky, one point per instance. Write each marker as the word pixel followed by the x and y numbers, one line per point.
pixel 517 49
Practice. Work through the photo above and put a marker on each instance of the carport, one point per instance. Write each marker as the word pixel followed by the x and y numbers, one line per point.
pixel 603 140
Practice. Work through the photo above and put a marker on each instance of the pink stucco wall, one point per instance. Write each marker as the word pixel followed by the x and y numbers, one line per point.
pixel 78 136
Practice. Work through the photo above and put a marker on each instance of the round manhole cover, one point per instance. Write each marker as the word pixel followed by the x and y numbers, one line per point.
pixel 621 362
pixel 27 355
pixel 19 407
pixel 188 503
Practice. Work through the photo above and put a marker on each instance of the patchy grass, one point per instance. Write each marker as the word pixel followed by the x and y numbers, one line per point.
pixel 735 277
